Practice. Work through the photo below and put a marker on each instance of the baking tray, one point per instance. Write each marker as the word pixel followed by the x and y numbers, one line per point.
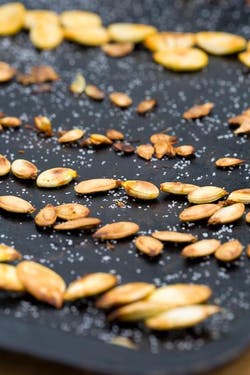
pixel 78 334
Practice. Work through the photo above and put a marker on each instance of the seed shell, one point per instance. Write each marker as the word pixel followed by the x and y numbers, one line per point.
pixel 9 279
pixel 11 18
pixel 89 35
pixel 71 211
pixel 11 203
pixel 118 49
pixel 99 139
pixel 162 137
pixel 227 214
pixel 46 216
pixel 220 43
pixel 199 212
pixel 185 151
pixel 81 223
pixel 79 18
pixel 206 194
pixel 173 236
pixel 244 57
pixel 240 196
pixel 8 253
pixel 55 177
pixel 34 16
pixel 24 169
pixel 4 165
pixel 78 85
pixel 248 217
pixel 200 249
pixel 96 185
pixel 149 245
pixel 114 135
pixel 229 251
pixel 228 162
pixel 145 151
pixel 94 92
pixel 115 231
pixel 146 106
pixel 6 72
pixel 130 32
pixel 71 136
pixel 244 128
pixel 198 111
pixel 137 311
pixel 163 148
pixel 248 251
pixel 121 100
pixel 44 35
pixel 167 40
pixel 43 125
pixel 123 341
pixel 10 122
pixel 141 189
pixel 124 147
pixel 177 188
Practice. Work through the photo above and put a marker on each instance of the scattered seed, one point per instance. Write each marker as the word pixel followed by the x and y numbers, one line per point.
pixel 146 106
pixel 141 189
pixel 11 18
pixel 163 148
pixel 240 196
pixel 78 85
pixel 124 294
pixel 24 169
pixel 11 203
pixel 8 253
pixel 206 194
pixel 99 139
pixel 114 135
pixel 46 216
pixel 173 236
pixel 43 73
pixel 4 165
pixel 88 35
pixel 130 32
pixel 244 57
pixel 229 251
pixel 94 92
pixel 10 122
pixel 123 341
pixel 198 111
pixel 6 72
pixel 9 279
pixel 124 147
pixel 71 211
pixel 90 285
pixel 169 40
pixel 220 43
pixel 162 137
pixel 55 177
pixel 244 128
pixel 44 35
pixel 115 231
pixel 248 251
pixel 227 214
pixel 118 49
pixel 96 185
pixel 248 217
pixel 149 245
pixel 200 249
pixel 43 124
pixel 145 151
pixel 178 188
pixel 120 99
pixel 81 223
pixel 34 16
pixel 79 18
pixel 228 162
pixel 137 311
pixel 199 212
pixel 71 136
pixel 185 150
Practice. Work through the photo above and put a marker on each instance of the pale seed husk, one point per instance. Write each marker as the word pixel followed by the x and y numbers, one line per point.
pixel 79 18
pixel 201 248
pixel 206 194
pixel 229 251
pixel 11 203
pixel 8 253
pixel 9 280
pixel 90 285
pixel 24 169
pixel 198 111
pixel 137 311
pixel 227 214
pixel 130 32
pixel 180 295
pixel 89 35
pixel 118 49
pixel 99 139
pixel 46 216
pixel 78 85
pixel 178 188
pixel 41 282
pixel 173 236
pixel 181 317
pixel 228 162
pixel 81 223
pixel 34 16
pixel 114 135
pixel 11 18
pixel 248 217
pixel 240 196
pixel 199 212
pixel 162 137
pixel 96 185
pixel 166 40
pixel 244 57
pixel 146 106
pixel 244 128
pixel 6 72
pixel 145 151
pixel 115 231
pixel 43 125
pixel 44 35
pixel 4 165
pixel 149 245
pixel 71 136
pixel 55 177
pixel 185 150
pixel 10 122
pixel 121 100
pixel 123 341
pixel 71 211
pixel 141 189
pixel 94 92
pixel 220 43
pixel 124 294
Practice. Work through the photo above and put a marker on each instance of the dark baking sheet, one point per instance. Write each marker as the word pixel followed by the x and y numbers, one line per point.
pixel 78 334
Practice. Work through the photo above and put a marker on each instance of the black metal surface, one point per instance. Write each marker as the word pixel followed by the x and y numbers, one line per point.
pixel 78 334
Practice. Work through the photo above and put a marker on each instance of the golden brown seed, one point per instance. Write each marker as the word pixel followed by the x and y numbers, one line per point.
pixel 162 137
pixel 200 249
pixel 124 294
pixel 178 188
pixel 238 120
pixel 40 74
pixel 115 231
pixel 71 211
pixel 149 245
pixel 82 223
pixel 181 317
pixel 15 204
pixel 146 106
pixel 46 216
pixel 6 72
pixel 130 32
pixel 244 128
pixel 123 341
pixel 180 295
pixel 4 165
pixel 55 177
pixel 10 122
pixel 44 35
pixel 43 124
pixel 172 236
pixel 8 253
pixel 34 16
pixel 94 93
pixel 198 111
pixel 141 189
pixel 80 18
pixel 166 40
pixel 71 136
pixel 185 150
pixel 118 49
pixel 89 35
pixel 220 43
pixel 240 196
pixel 229 251
pixel 198 212
pixel 78 85
pixel 90 285
pixel 137 311
pixel 248 217
pixel 227 214
pixel 9 279
pixel 228 162
pixel 11 18
pixel 206 194
pixel 114 135
pixel 24 169
pixel 248 251
pixel 41 282
pixel 120 99
pixel 124 147
pixel 96 185
pixel 145 151
pixel 244 57
pixel 99 139
pixel 163 148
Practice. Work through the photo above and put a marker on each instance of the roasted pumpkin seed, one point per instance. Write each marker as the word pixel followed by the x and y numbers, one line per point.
pixel 240 196
pixel 206 194
pixel 123 341
pixel 46 216
pixel 185 150
pixel 24 169
pixel 43 73
pixel 118 49
pixel 8 253
pixel 163 148
pixel 34 16
pixel 244 128
pixel 94 92
pixel 146 106
pixel 10 122
pixel 248 217
pixel 9 279
pixel 114 135
pixel 43 124
pixel 162 137
pixel 201 248
pixel 11 203
pixel 173 236
pixel 121 100
pixel 124 147
pixel 141 189
pixel 198 111
pixel 6 72
pixel 89 35
pixel 167 40
pixel 71 211
pixel 78 85
pixel 11 18
pixel 229 251
pixel 96 185
pixel 99 139
pixel 55 177
pixel 44 35
pixel 178 188
pixel 198 212
pixel 4 165
pixel 149 245
pixel 130 32
pixel 145 151
pixel 115 231
pixel 220 43
pixel 227 214
pixel 79 18
pixel 228 162
pixel 81 223
pixel 137 311
pixel 71 136
pixel 244 57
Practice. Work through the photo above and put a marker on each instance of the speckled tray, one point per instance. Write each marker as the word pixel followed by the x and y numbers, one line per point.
pixel 78 334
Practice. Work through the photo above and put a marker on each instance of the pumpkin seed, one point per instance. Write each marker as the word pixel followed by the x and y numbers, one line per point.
pixel 34 16
pixel 114 135
pixel 198 111
pixel 130 32
pixel 141 189
pixel 94 93
pixel 173 236
pixel 99 139
pixel 229 251
pixel 244 57
pixel 198 212
pixel 71 211
pixel 124 294
pixel 11 203
pixel 244 128
pixel 146 106
pixel 115 231
pixel 78 85
pixel 43 73
pixel 24 169
pixel 240 196
pixel 41 282
pixel 227 214
pixel 46 216
pixel 55 177
pixel 149 245
pixel 118 49
pixel 89 35
pixel 206 194
pixel 124 147
pixel 79 18
pixel 201 248
pixel 167 40
pixel 121 100
pixel 123 341
pixel 248 217
pixel 181 317
pixel 145 151
pixel 43 124
pixel 90 285
pixel 163 148
pixel 10 122
pixel 81 223
pixel 9 279
pixel 162 137
pixel 238 120
pixel 44 35
pixel 182 59
pixel 137 311
pixel 220 43
pixel 8 253
pixel 71 136
pixel 248 251
pixel 96 185
pixel 6 72
pixel 185 150
pixel 4 165
pixel 228 162
pixel 11 18
pixel 178 188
